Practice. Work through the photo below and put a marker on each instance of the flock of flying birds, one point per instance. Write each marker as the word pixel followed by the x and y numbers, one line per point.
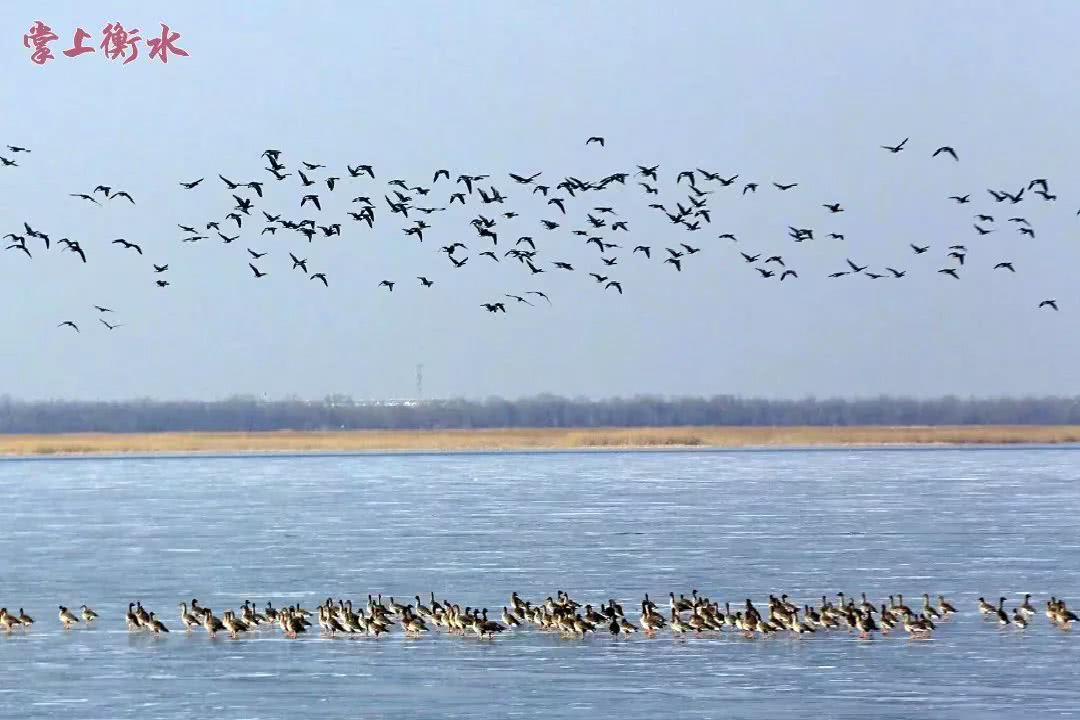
pixel 495 230
pixel 684 615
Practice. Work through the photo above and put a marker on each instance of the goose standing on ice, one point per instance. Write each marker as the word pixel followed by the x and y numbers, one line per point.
pixel 8 621
pixel 186 618
pixel 999 611
pixel 509 620
pixel 928 609
pixel 67 618
pixel 156 626
pixel 211 623
pixel 676 623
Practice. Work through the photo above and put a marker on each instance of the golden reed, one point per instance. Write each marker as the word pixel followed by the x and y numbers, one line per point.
pixel 531 439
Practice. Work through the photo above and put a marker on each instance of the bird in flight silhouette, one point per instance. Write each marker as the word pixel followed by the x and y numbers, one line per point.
pixel 896 148
pixel 947 150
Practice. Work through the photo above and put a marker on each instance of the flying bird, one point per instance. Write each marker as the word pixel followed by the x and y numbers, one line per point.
pixel 647 171
pixel 539 294
pixel 70 324
pixel 1052 304
pixel 127 245
pixel 947 150
pixel 258 273
pixel 896 148
pixel 595 139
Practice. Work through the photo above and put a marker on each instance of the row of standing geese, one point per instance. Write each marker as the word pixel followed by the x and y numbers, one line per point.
pixel 694 614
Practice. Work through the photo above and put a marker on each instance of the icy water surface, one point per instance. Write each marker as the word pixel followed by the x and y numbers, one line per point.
pixel 961 522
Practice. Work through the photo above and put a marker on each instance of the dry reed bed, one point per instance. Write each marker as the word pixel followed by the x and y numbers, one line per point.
pixel 529 439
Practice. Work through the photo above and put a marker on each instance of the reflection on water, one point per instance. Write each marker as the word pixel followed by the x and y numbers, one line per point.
pixel 475 527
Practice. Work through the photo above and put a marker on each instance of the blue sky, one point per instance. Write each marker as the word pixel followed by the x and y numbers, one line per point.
pixel 786 91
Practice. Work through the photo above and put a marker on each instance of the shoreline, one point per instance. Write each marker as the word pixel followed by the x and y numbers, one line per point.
pixel 531 439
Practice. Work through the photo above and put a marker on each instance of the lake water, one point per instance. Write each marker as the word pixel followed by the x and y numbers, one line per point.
pixel 473 528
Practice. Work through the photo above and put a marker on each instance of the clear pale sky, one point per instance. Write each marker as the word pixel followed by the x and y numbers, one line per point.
pixel 788 91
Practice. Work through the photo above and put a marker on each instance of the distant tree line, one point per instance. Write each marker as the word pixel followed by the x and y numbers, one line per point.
pixel 543 411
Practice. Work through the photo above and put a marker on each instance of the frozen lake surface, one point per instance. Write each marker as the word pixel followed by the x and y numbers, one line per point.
pixel 473 528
